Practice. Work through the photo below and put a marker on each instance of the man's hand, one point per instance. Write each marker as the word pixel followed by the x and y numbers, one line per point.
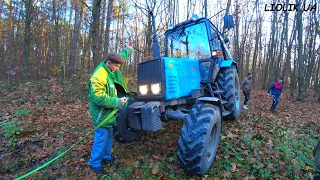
pixel 123 101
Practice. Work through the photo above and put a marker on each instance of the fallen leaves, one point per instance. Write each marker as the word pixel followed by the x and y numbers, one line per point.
pixel 282 163
pixel 252 143
pixel 234 167
pixel 128 162
pixel 230 135
pixel 156 157
pixel 155 169
pixel 226 174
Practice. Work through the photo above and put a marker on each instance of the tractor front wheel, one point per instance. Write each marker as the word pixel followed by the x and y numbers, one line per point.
pixel 199 139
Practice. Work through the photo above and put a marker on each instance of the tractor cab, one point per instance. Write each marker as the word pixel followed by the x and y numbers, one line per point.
pixel 200 40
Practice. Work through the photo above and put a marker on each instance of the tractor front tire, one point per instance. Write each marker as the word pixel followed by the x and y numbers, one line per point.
pixel 228 81
pixel 121 132
pixel 199 139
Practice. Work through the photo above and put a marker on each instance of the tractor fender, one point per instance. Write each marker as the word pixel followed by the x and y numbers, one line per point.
pixel 211 100
pixel 228 63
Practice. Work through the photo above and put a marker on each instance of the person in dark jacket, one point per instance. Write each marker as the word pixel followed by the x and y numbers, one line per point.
pixel 275 91
pixel 246 85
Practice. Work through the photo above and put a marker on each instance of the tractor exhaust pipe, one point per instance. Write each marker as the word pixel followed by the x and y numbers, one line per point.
pixel 155 43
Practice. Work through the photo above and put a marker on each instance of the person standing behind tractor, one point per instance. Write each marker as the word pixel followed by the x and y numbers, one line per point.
pixel 246 84
pixel 275 91
pixel 103 100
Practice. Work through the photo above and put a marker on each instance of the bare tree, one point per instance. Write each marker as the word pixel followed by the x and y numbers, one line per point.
pixel 95 29
pixel 29 7
pixel 107 34
pixel 75 36
pixel 300 57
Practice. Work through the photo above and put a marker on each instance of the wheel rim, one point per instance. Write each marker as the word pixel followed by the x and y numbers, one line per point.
pixel 236 91
pixel 212 141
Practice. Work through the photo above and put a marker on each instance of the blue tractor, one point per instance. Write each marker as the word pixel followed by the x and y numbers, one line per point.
pixel 195 81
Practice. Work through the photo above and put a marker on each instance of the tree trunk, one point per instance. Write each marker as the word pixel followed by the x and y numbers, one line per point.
pixel 317 81
pixel 293 75
pixel 1 38
pixel 288 43
pixel 97 58
pixel 311 48
pixel 248 55
pixel 205 4
pixel 300 57
pixel 102 33
pixel 270 55
pixel 278 64
pixel 236 36
pixel 87 50
pixel 27 39
pixel 56 55
pixel 75 38
pixel 256 49
pixel 107 35
pixel 10 42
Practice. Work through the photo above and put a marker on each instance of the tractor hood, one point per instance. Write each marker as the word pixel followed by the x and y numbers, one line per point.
pixel 167 78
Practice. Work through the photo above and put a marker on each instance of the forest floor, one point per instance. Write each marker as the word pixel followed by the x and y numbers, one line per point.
pixel 37 127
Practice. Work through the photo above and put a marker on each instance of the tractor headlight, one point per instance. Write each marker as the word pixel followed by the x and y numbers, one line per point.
pixel 155 88
pixel 143 89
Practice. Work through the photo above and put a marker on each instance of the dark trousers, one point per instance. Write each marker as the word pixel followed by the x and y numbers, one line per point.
pixel 246 97
pixel 275 102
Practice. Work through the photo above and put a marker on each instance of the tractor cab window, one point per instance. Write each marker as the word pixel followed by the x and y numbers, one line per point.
pixel 216 44
pixel 189 42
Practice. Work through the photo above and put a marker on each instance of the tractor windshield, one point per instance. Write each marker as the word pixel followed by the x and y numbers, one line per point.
pixel 189 42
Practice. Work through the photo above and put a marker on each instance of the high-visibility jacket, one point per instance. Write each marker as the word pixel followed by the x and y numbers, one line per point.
pixel 103 93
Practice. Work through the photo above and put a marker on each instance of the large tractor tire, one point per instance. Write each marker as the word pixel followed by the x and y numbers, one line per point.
pixel 317 159
pixel 316 153
pixel 121 132
pixel 199 139
pixel 228 81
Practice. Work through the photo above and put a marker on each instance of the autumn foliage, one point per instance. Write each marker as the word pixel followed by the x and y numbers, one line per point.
pixel 260 145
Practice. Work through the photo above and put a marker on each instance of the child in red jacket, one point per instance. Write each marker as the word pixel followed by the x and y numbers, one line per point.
pixel 275 91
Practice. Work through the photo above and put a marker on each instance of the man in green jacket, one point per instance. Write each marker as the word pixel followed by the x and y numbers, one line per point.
pixel 103 99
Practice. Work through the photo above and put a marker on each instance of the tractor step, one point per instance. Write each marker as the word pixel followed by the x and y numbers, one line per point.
pixel 224 102
pixel 226 113
pixel 218 92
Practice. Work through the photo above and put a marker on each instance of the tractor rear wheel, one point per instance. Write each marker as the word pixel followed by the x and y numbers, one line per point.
pixel 228 81
pixel 317 159
pixel 316 153
pixel 199 139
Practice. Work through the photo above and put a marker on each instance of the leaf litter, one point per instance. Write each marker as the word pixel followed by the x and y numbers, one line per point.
pixel 260 145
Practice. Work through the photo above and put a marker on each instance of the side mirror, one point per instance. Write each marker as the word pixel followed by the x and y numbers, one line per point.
pixel 228 22
pixel 226 40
